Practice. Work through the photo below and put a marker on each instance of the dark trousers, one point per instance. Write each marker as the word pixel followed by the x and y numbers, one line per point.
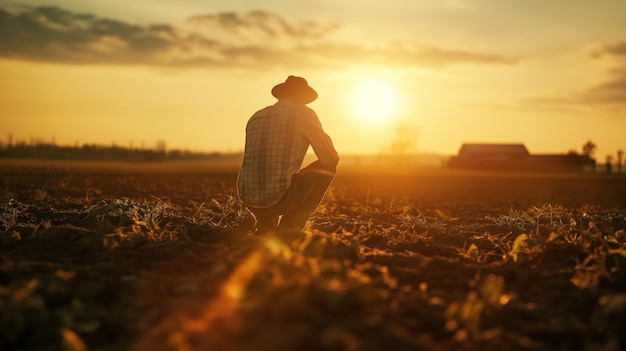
pixel 304 195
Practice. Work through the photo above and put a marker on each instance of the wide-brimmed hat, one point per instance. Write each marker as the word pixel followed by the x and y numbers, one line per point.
pixel 295 89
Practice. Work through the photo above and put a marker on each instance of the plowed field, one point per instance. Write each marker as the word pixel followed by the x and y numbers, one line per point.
pixel 160 257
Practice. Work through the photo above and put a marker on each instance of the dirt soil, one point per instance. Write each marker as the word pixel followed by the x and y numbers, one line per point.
pixel 161 257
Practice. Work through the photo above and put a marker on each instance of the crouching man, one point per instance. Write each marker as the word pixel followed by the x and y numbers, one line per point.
pixel 271 184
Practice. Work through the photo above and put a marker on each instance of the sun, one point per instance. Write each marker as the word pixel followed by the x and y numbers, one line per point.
pixel 373 101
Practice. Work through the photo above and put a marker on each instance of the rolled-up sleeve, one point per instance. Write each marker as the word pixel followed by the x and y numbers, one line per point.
pixel 321 143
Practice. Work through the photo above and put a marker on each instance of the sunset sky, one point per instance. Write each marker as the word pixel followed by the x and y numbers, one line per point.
pixel 550 74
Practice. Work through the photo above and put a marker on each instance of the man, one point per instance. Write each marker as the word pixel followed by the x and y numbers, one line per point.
pixel 271 184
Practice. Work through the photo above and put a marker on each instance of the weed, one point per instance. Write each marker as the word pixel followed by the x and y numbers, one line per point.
pixel 226 212
pixel 15 214
pixel 154 220
pixel 465 318
pixel 523 246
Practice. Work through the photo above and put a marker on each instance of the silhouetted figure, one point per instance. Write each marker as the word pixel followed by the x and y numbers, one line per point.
pixel 270 183
pixel 609 164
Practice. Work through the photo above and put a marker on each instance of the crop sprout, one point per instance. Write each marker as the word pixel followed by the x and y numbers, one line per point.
pixel 465 318
pixel 599 249
pixel 160 220
pixel 533 218
pixel 226 212
pixel 122 219
pixel 396 217
pixel 15 214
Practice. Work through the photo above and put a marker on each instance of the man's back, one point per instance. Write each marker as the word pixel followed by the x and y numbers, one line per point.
pixel 277 139
pixel 275 147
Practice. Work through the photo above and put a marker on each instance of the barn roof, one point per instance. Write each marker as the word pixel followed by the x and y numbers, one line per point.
pixel 470 149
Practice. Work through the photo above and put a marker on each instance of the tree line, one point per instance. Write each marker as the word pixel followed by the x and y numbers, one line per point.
pixel 43 150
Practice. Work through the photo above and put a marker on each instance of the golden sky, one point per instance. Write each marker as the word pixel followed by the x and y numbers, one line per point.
pixel 550 74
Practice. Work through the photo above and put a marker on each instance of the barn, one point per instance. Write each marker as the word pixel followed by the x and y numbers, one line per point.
pixel 516 157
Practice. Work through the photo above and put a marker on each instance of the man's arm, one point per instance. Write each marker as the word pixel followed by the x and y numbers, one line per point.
pixel 321 143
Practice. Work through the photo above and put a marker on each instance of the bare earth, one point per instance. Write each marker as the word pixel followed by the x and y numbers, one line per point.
pixel 101 256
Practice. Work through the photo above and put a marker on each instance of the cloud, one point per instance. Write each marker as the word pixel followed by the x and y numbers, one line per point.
pixel 256 40
pixel 57 35
pixel 611 92
pixel 615 49
pixel 266 23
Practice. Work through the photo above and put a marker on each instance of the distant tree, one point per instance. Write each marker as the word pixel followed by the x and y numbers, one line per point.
pixel 589 148
pixel 620 157
pixel 404 141
pixel 161 147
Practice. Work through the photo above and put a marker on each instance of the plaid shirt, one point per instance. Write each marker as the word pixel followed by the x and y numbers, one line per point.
pixel 277 139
